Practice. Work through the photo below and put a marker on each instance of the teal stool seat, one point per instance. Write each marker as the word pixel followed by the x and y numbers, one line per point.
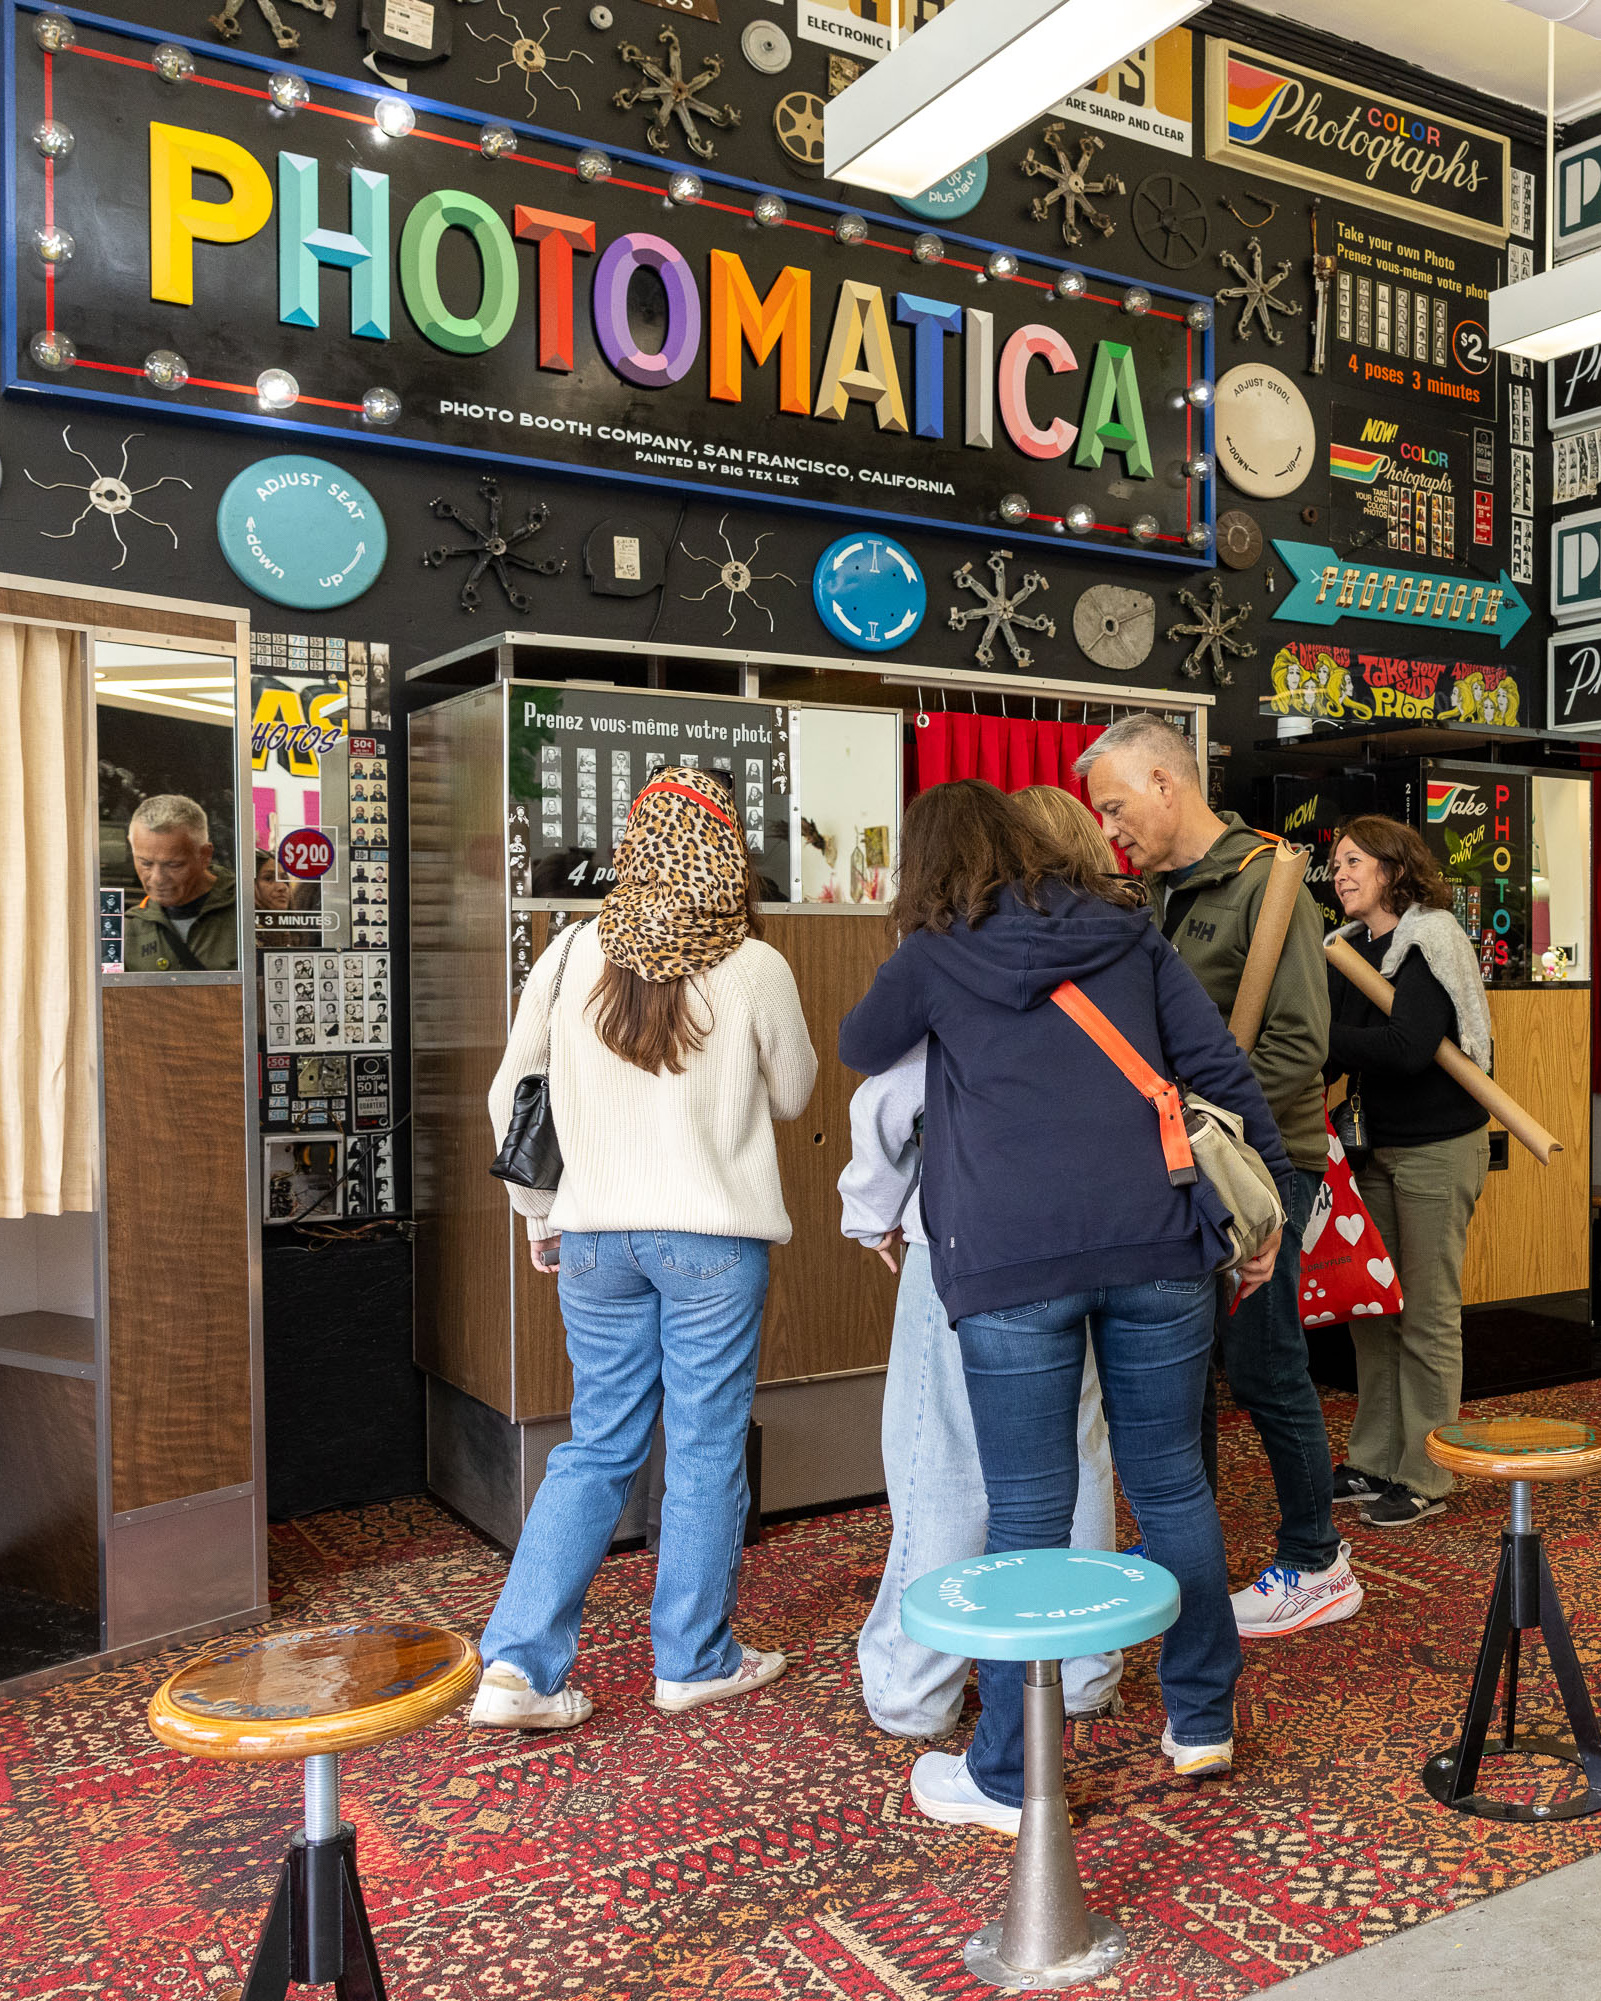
pixel 1041 1607
pixel 1040 1604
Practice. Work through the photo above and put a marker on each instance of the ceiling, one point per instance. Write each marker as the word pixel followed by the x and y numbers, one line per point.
pixel 1486 44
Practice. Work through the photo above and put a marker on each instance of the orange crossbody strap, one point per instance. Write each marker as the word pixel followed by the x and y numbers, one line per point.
pixel 1160 1092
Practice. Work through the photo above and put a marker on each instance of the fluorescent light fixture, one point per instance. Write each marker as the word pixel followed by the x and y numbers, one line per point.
pixel 975 74
pixel 1554 313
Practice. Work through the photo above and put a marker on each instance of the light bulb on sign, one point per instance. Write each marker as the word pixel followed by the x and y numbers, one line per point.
pixel 55 33
pixel 166 370
pixel 1071 284
pixel 1202 466
pixel 172 64
pixel 394 117
pixel 53 350
pixel 1201 394
pixel 277 389
pixel 1080 519
pixel 684 189
pixel 851 227
pixel 288 91
pixel 1136 301
pixel 54 245
pixel 1145 528
pixel 927 249
pixel 593 165
pixel 1014 508
pixel 380 406
pixel 1199 538
pixel 53 139
pixel 496 141
pixel 770 211
pixel 1199 315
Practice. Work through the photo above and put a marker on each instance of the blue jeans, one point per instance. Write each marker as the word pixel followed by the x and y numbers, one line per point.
pixel 939 1513
pixel 1152 1344
pixel 1263 1353
pixel 656 1321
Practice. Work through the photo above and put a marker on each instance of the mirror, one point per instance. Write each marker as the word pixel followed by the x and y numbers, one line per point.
pixel 1560 913
pixel 169 898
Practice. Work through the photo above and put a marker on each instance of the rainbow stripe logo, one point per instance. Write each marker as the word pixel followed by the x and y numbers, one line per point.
pixel 1255 95
pixel 1443 796
pixel 1352 462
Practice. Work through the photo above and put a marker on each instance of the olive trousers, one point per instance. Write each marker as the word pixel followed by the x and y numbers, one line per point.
pixel 1409 1364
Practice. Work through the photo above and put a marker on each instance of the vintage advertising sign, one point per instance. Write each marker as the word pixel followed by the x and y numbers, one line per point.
pixel 1328 590
pixel 1409 315
pixel 1573 390
pixel 1576 224
pixel 1150 96
pixel 1332 684
pixel 1400 485
pixel 867 29
pixel 1477 823
pixel 1576 565
pixel 1573 681
pixel 516 309
pixel 1293 124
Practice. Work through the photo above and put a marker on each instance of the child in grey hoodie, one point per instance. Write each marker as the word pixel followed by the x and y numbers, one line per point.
pixel 931 1469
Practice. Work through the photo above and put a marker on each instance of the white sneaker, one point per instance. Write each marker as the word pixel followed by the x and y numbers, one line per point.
pixel 1284 1600
pixel 754 1671
pixel 506 1700
pixel 1198 1761
pixel 942 1789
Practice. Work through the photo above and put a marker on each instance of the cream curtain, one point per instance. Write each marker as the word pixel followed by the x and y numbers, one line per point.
pixel 48 983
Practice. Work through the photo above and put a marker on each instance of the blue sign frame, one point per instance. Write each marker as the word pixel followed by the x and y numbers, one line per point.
pixel 329 436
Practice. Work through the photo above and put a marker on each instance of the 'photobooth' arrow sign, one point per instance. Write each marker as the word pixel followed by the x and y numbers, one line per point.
pixel 1327 590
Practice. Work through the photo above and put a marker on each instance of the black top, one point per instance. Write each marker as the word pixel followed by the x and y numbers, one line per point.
pixel 1407 1097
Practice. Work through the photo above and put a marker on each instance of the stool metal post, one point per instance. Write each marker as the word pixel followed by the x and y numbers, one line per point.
pixel 1047 1937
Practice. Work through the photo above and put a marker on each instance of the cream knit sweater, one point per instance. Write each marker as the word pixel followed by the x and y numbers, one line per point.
pixel 693 1152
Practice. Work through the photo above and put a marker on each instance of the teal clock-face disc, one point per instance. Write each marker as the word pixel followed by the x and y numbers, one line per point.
pixel 302 532
pixel 869 592
pixel 957 194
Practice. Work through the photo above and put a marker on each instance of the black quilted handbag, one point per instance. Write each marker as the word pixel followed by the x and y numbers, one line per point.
pixel 530 1156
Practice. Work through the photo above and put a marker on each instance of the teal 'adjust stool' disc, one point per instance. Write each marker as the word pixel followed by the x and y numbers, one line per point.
pixel 1040 1604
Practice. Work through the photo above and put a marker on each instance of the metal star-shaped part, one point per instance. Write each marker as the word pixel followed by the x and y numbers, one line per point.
pixel 736 577
pixel 491 549
pixel 1213 633
pixel 999 609
pixel 1072 190
pixel 108 494
pixel 673 97
pixel 528 54
pixel 1259 294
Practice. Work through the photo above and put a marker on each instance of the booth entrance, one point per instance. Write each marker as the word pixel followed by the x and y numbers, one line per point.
pixel 522 769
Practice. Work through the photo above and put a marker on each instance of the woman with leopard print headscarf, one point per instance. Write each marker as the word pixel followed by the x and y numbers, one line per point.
pixel 672 1042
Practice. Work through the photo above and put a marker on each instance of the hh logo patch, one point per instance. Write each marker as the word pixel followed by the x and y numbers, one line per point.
pixel 1196 928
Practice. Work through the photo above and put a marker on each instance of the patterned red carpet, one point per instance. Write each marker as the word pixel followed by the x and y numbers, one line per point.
pixel 767 1848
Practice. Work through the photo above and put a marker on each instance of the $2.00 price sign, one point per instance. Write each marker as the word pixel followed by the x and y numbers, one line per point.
pixel 307 854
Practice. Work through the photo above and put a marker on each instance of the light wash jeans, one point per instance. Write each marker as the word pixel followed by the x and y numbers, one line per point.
pixel 656 1320
pixel 937 1505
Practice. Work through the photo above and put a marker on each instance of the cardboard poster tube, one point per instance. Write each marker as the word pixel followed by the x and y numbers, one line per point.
pixel 1267 943
pixel 1525 1130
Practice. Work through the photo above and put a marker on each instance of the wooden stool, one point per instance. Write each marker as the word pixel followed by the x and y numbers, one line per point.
pixel 1041 1607
pixel 310 1695
pixel 1519 1450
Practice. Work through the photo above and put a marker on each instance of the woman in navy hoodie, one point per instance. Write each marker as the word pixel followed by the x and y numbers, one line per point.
pixel 1050 1217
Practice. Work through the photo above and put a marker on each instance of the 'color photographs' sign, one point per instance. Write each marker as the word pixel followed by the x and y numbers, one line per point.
pixel 1149 96
pixel 1292 124
pixel 1399 486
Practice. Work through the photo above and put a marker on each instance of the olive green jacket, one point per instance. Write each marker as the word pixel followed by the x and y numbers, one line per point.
pixel 151 945
pixel 1211 917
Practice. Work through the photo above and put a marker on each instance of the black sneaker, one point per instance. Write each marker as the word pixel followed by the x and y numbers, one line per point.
pixel 1350 1485
pixel 1398 1508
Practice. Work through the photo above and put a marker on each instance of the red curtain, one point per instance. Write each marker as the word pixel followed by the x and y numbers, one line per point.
pixel 1007 751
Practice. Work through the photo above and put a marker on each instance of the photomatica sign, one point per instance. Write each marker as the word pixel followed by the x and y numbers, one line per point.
pixel 551 306
pixel 1293 124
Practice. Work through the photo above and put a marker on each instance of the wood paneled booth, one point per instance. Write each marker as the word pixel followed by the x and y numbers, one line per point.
pixel 523 764
pixel 132 1506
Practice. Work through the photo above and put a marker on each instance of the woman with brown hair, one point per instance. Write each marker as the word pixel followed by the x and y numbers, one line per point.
pixel 672 1040
pixel 1427 1159
pixel 1051 1213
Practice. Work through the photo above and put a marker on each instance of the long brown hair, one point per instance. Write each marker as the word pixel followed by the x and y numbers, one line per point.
pixel 1083 856
pixel 1411 873
pixel 961 845
pixel 648 1022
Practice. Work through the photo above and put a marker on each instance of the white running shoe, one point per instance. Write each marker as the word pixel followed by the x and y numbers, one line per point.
pixel 1198 1761
pixel 754 1671
pixel 1284 1600
pixel 507 1700
pixel 942 1789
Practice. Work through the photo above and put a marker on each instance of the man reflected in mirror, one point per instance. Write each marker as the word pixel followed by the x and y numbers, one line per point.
pixel 187 921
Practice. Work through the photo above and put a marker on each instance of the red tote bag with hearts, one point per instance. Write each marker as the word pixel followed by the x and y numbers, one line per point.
pixel 1346 1272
